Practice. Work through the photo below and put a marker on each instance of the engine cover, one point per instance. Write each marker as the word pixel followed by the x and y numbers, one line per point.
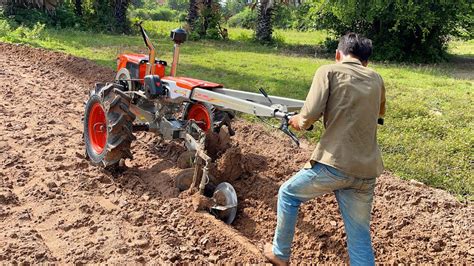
pixel 153 87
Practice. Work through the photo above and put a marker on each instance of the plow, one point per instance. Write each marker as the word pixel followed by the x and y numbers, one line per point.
pixel 143 97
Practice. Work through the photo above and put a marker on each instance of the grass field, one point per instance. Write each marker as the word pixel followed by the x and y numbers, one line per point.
pixel 429 131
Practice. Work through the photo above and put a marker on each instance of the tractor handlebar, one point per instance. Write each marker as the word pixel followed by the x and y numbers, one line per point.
pixel 285 128
pixel 151 49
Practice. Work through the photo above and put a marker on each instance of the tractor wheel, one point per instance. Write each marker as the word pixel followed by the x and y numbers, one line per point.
pixel 123 76
pixel 108 128
pixel 207 116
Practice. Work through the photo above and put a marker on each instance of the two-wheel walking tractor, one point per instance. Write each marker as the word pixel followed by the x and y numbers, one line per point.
pixel 143 98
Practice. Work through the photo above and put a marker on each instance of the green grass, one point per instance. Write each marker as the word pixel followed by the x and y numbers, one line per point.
pixel 429 131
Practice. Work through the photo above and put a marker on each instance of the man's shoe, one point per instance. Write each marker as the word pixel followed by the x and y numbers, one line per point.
pixel 268 253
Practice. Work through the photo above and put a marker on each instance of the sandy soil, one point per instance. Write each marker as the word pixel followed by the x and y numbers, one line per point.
pixel 56 207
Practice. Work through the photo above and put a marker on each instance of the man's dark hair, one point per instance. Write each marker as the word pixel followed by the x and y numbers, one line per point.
pixel 355 45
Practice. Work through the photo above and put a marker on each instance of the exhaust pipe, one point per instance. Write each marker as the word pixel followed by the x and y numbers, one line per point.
pixel 178 36
pixel 174 65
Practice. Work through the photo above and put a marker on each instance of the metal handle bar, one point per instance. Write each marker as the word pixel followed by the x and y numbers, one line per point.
pixel 284 125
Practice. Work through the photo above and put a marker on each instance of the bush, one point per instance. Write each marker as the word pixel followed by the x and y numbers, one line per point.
pixel 11 31
pixel 401 30
pixel 63 17
pixel 283 16
pixel 205 23
pixel 178 5
pixel 245 19
pixel 158 13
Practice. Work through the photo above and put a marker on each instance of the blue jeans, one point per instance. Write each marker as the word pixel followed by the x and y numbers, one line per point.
pixel 353 195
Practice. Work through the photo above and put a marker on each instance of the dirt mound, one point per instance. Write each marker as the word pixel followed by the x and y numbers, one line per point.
pixel 56 207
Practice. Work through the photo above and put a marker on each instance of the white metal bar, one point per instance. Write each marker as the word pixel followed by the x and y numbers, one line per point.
pixel 291 104
pixel 217 98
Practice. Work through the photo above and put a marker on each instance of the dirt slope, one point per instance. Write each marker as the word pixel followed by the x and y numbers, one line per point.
pixel 54 206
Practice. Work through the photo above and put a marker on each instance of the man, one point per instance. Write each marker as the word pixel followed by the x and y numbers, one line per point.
pixel 346 161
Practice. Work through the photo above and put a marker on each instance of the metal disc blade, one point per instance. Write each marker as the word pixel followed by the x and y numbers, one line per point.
pixel 225 198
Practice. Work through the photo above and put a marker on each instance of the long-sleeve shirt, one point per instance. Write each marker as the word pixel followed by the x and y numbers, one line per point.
pixel 351 98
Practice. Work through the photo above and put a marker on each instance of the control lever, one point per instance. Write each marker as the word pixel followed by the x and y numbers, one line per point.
pixel 285 128
pixel 265 94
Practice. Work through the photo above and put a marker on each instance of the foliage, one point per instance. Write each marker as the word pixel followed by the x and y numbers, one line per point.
pixel 401 30
pixel 245 19
pixel 204 20
pixel 284 16
pixel 63 17
pixel 10 31
pixel 158 13
pixel 233 7
pixel 98 15
pixel 178 5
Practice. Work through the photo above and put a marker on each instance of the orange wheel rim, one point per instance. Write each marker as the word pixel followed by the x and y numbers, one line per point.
pixel 97 128
pixel 200 114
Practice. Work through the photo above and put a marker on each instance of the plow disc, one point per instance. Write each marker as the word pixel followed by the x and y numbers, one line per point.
pixel 225 200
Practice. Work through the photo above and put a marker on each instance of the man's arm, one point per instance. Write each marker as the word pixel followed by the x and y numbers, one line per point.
pixel 315 103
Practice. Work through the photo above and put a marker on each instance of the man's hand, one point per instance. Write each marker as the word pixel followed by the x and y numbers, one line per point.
pixel 295 122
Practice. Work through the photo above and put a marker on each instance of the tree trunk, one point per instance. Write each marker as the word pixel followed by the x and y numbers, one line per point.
pixel 264 29
pixel 192 14
pixel 78 8
pixel 207 5
pixel 120 14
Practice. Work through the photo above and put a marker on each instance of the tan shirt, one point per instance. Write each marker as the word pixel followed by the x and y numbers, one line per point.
pixel 351 98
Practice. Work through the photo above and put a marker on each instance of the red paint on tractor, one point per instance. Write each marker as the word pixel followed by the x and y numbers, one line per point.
pixel 140 60
pixel 190 83
pixel 200 114
pixel 97 128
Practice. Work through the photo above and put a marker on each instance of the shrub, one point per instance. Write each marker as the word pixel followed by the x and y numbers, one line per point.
pixel 205 22
pixel 178 5
pixel 5 27
pixel 283 17
pixel 245 19
pixel 158 13
pixel 401 30
pixel 62 17
pixel 9 30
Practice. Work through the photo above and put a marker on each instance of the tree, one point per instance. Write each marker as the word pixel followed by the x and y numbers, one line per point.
pixel 400 30
pixel 264 28
pixel 78 8
pixel 192 14
pixel 46 5
pixel 203 20
pixel 120 14
pixel 233 7
pixel 179 5
pixel 265 14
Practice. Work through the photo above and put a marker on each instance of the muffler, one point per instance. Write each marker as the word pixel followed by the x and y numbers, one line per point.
pixel 178 36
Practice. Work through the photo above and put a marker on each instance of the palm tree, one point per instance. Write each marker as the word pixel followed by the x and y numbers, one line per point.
pixel 47 5
pixel 78 8
pixel 264 28
pixel 120 14
pixel 193 14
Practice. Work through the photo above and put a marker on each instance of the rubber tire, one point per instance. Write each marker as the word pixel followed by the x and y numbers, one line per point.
pixel 215 115
pixel 119 121
pixel 125 74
